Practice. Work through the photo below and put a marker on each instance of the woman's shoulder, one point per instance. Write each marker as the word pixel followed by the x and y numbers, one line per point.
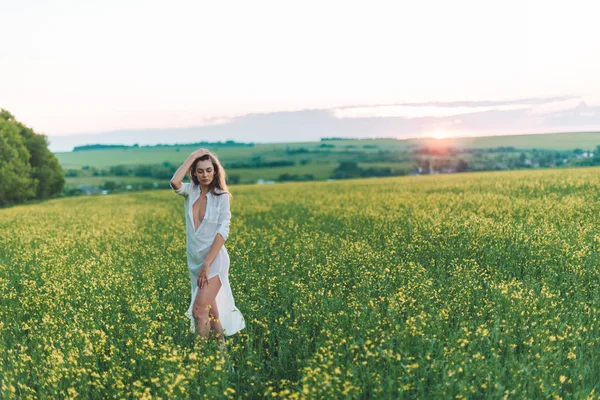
pixel 221 195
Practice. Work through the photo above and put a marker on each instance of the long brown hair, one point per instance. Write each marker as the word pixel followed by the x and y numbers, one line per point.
pixel 219 179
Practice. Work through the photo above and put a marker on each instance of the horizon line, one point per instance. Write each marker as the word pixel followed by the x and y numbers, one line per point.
pixel 353 138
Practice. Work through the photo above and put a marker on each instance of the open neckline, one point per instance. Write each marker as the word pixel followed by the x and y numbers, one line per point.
pixel 203 217
pixel 199 194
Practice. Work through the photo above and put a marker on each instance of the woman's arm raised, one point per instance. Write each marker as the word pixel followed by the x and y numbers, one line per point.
pixel 183 169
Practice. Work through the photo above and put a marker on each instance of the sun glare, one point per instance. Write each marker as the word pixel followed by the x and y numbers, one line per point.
pixel 439 135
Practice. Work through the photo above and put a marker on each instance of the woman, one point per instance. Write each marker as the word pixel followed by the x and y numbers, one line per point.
pixel 207 214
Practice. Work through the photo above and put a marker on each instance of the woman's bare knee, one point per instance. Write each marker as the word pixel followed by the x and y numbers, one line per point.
pixel 201 311
pixel 202 319
pixel 206 300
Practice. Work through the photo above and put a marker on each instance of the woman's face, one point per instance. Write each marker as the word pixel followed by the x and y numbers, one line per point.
pixel 205 172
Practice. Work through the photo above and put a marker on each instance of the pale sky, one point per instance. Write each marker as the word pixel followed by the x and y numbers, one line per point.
pixel 71 67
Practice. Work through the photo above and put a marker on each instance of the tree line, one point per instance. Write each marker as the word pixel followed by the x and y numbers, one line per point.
pixel 166 169
pixel 228 143
pixel 28 169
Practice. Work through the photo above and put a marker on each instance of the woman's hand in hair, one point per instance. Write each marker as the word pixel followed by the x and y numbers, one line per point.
pixel 199 153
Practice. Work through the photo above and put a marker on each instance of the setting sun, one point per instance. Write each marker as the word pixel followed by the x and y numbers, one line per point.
pixel 439 135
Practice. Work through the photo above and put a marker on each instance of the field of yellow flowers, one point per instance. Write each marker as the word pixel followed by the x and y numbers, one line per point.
pixel 465 285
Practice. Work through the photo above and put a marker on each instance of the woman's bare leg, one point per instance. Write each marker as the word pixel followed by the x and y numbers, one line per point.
pixel 215 323
pixel 205 298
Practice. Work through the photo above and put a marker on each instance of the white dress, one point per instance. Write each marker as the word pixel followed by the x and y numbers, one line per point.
pixel 198 242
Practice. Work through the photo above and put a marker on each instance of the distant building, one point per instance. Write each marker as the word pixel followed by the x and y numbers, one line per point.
pixel 88 190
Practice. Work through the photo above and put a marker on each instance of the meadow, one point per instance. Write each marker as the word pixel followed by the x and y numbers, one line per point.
pixel 461 285
pixel 176 154
pixel 320 171
pixel 313 160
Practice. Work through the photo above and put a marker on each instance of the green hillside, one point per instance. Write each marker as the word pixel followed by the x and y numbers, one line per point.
pixel 176 154
pixel 550 141
pixel 134 168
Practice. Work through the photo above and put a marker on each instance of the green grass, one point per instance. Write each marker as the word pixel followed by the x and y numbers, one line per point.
pixel 251 175
pixel 475 285
pixel 247 175
pixel 135 156
pixel 392 165
pixel 551 141
pixel 99 180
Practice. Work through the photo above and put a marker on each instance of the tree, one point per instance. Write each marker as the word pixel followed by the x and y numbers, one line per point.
pixel 597 155
pixel 346 169
pixel 16 184
pixel 45 166
pixel 233 179
pixel 119 170
pixel 143 170
pixel 28 169
pixel 109 185
pixel 462 166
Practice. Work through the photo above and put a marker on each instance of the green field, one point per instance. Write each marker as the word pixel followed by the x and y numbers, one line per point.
pixel 476 285
pixel 157 155
pixel 99 180
pixel 551 141
pixel 175 155
pixel 247 175
pixel 312 159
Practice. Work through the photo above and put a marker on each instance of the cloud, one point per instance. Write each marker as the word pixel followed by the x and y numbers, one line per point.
pixel 448 109
pixel 478 103
pixel 580 116
pixel 410 112
pixel 369 121
pixel 552 107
